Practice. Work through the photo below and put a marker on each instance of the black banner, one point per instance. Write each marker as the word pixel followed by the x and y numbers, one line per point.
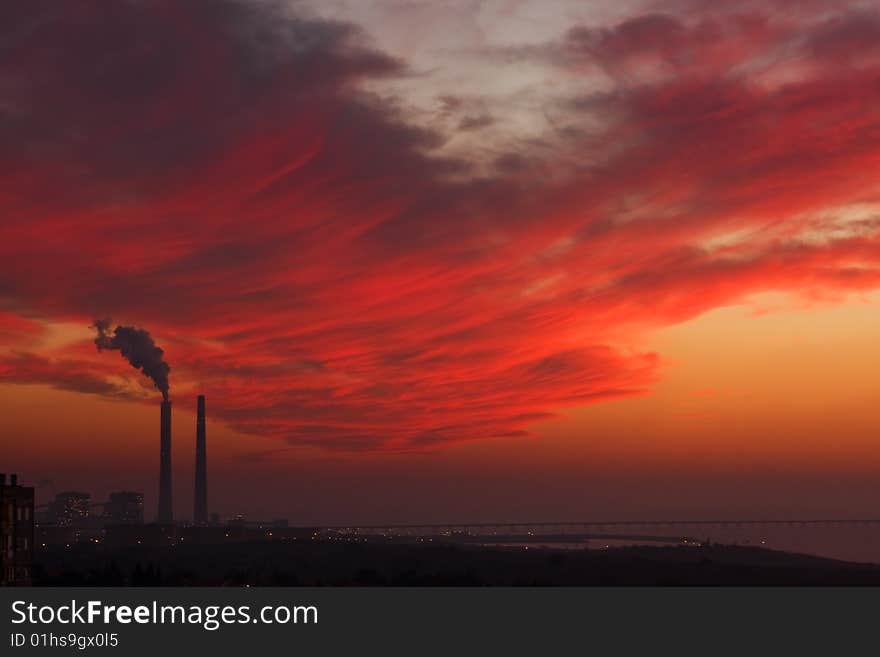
pixel 455 621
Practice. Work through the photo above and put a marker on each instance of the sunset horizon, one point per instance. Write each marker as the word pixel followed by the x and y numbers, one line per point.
pixel 445 262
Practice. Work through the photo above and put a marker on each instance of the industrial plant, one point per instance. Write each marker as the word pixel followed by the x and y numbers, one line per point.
pixel 166 506
pixel 73 517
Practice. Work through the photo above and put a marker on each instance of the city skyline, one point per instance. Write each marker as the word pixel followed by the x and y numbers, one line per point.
pixel 447 261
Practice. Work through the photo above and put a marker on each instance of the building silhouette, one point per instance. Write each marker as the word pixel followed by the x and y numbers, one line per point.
pixel 124 508
pixel 16 532
pixel 69 508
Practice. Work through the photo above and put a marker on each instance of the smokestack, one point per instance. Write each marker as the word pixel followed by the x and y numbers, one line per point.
pixel 200 511
pixel 166 516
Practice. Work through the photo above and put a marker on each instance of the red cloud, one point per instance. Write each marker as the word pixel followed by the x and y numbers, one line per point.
pixel 213 172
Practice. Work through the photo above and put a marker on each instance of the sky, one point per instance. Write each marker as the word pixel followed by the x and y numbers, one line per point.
pixel 447 260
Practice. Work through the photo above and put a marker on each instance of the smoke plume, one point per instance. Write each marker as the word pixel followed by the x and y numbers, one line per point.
pixel 137 347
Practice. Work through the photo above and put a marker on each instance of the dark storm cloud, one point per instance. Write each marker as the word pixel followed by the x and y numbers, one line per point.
pixel 160 85
pixel 136 101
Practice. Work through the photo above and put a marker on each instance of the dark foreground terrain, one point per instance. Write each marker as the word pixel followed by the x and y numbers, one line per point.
pixel 330 563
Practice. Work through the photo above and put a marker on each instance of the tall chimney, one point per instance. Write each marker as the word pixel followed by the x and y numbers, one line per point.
pixel 200 510
pixel 166 516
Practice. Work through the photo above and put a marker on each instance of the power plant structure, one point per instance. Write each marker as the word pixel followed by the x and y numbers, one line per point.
pixel 200 501
pixel 166 513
